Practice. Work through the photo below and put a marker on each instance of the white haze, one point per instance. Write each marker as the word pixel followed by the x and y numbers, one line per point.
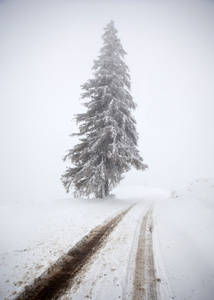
pixel 46 53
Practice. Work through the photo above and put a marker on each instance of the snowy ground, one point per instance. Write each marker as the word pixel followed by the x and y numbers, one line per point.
pixel 184 241
pixel 34 235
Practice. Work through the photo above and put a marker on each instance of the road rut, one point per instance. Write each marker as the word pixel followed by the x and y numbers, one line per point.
pixel 145 282
pixel 58 278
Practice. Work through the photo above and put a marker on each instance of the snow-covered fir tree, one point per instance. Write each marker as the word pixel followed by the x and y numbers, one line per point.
pixel 107 130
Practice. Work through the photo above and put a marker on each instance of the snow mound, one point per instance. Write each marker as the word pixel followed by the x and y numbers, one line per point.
pixel 185 243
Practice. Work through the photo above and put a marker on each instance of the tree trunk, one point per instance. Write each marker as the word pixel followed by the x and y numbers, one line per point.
pixel 103 191
pixel 106 188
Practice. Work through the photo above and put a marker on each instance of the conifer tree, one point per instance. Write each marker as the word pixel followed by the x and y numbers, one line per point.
pixel 107 130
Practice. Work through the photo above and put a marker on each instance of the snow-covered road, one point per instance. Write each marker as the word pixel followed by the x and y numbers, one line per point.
pixel 114 271
pixel 161 249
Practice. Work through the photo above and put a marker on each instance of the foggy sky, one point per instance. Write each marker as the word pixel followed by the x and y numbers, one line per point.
pixel 47 52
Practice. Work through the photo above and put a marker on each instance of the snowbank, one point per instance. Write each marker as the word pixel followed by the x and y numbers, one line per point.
pixel 184 242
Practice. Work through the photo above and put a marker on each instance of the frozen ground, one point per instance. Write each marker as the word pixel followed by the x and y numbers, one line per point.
pixel 34 235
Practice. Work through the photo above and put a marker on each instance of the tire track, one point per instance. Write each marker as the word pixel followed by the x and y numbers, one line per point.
pixel 60 276
pixel 145 282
